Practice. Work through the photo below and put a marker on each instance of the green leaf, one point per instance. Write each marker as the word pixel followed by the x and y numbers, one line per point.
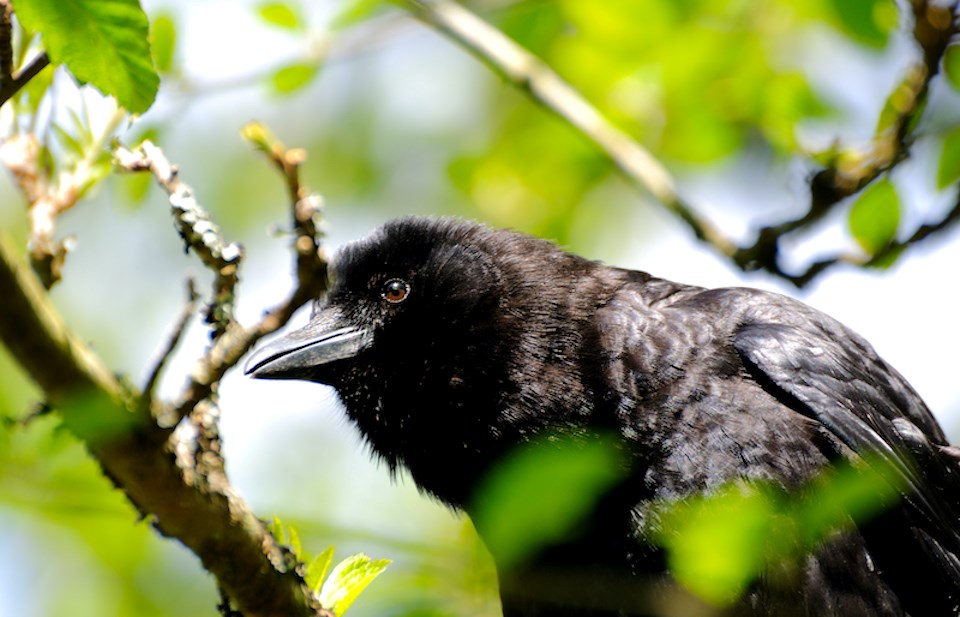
pixel 275 527
pixel 951 66
pixel 295 545
pixel 316 570
pixel 163 41
pixel 875 216
pixel 948 170
pixel 281 15
pixel 868 21
pixel 355 12
pixel 294 76
pixel 716 545
pixel 102 42
pixel 348 579
pixel 540 492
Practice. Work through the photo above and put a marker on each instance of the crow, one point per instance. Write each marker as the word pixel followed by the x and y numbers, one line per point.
pixel 451 344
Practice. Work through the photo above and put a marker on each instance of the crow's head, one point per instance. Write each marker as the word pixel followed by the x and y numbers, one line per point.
pixel 395 295
pixel 447 342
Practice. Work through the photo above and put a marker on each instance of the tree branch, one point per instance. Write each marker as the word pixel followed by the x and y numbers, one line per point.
pixel 13 85
pixel 173 477
pixel 532 75
pixel 195 227
pixel 934 25
pixel 202 235
pixel 204 513
pixel 10 84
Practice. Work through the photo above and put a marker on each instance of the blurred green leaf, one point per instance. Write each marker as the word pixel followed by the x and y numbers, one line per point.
pixel 295 545
pixel 163 41
pixel 875 216
pixel 316 569
pixel 540 492
pixel 355 12
pixel 134 188
pixel 102 42
pixel 280 14
pixel 276 529
pixel 295 76
pixel 948 169
pixel 718 544
pixel 349 577
pixel 870 22
pixel 951 66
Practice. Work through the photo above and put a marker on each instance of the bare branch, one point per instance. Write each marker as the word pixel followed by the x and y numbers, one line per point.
pixel 934 26
pixel 201 234
pixel 933 29
pixel 13 85
pixel 179 329
pixel 207 516
pixel 196 228
pixel 311 266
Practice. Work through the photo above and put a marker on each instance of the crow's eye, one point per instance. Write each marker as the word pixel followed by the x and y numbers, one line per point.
pixel 395 291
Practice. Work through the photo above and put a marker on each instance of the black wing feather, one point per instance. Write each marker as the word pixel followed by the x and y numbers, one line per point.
pixel 840 382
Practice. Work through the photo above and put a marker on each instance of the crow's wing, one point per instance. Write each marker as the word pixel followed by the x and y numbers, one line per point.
pixel 824 371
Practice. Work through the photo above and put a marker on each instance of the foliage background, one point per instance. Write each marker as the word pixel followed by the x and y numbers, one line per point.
pixel 397 120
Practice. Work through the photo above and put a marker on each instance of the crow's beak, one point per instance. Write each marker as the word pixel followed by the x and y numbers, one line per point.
pixel 327 338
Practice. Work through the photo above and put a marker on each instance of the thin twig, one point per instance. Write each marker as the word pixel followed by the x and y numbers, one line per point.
pixel 233 340
pixel 885 254
pixel 934 27
pixel 311 265
pixel 196 228
pixel 149 387
pixel 14 84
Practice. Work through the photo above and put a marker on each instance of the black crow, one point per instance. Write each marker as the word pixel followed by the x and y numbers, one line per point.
pixel 451 343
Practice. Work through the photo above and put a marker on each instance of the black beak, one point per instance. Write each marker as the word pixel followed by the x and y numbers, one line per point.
pixel 327 338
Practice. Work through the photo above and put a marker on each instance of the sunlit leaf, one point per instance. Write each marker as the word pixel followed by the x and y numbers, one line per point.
pixel 948 169
pixel 348 579
pixel 540 492
pixel 875 216
pixel 294 76
pixel 275 527
pixel 102 42
pixel 295 545
pixel 280 14
pixel 316 569
pixel 163 41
